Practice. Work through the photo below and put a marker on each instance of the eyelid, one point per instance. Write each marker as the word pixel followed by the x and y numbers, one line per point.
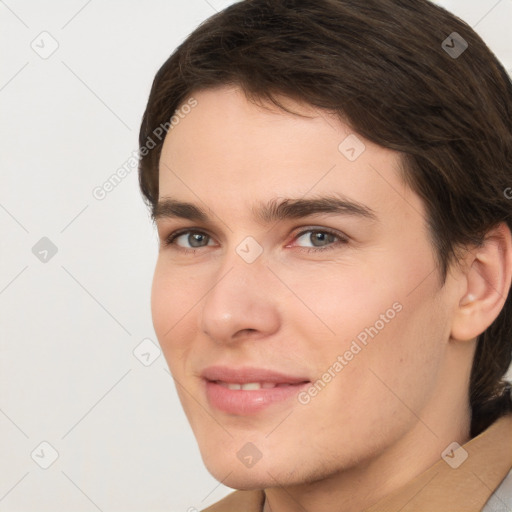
pixel 342 238
pixel 169 239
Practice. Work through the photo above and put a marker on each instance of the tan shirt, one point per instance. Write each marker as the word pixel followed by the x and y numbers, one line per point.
pixel 440 488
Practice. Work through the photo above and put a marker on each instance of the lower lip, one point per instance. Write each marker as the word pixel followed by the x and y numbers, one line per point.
pixel 245 402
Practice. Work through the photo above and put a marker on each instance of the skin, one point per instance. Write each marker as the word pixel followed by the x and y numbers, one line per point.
pixel 393 409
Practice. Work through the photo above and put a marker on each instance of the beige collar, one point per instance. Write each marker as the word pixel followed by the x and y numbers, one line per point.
pixel 439 488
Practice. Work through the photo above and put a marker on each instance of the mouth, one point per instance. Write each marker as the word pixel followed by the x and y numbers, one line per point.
pixel 247 391
pixel 250 386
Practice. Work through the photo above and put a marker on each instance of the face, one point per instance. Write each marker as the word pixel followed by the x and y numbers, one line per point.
pixel 296 296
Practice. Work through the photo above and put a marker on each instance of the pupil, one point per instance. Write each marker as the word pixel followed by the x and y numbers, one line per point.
pixel 323 238
pixel 195 239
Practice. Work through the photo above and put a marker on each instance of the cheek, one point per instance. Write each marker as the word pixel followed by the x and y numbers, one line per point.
pixel 387 317
pixel 162 302
pixel 346 297
pixel 172 301
pixel 397 364
pixel 370 400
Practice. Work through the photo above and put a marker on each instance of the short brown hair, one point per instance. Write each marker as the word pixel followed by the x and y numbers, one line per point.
pixel 381 66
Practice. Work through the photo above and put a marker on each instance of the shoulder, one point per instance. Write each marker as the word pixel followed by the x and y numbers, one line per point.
pixel 248 501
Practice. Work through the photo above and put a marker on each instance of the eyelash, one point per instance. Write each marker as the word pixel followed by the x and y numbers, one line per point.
pixel 170 240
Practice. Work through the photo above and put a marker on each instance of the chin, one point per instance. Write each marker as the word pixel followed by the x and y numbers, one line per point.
pixel 242 479
pixel 232 473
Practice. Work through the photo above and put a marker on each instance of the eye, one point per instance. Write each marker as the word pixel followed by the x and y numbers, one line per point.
pixel 320 239
pixel 188 240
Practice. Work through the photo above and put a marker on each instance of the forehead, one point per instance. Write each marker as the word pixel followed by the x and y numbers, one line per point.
pixel 235 152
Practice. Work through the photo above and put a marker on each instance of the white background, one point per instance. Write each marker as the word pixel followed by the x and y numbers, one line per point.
pixel 68 327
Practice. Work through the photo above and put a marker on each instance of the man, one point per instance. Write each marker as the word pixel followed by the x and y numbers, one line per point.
pixel 332 287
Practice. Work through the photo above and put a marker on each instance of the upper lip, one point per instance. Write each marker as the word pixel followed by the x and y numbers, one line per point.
pixel 246 374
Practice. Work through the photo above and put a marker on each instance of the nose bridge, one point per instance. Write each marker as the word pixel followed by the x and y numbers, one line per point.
pixel 239 298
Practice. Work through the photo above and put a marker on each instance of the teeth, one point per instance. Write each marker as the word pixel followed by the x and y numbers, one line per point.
pixel 249 386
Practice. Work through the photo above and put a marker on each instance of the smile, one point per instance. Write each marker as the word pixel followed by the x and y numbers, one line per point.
pixel 251 385
pixel 248 390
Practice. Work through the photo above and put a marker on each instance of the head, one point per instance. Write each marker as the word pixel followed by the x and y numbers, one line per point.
pixel 316 103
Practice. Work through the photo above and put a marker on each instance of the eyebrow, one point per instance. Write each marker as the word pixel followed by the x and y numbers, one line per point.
pixel 274 210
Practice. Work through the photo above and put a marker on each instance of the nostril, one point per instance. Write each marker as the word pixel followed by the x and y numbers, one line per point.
pixel 245 331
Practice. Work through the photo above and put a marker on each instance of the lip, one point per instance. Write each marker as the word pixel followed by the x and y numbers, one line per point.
pixel 246 374
pixel 248 402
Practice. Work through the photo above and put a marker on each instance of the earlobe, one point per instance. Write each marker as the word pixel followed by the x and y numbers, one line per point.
pixel 488 277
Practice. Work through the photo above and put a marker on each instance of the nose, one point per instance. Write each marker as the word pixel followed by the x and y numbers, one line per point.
pixel 240 303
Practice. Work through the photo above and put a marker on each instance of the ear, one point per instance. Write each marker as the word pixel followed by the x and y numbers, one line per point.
pixel 486 282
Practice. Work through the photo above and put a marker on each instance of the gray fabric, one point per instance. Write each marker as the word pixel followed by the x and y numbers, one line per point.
pixel 501 499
